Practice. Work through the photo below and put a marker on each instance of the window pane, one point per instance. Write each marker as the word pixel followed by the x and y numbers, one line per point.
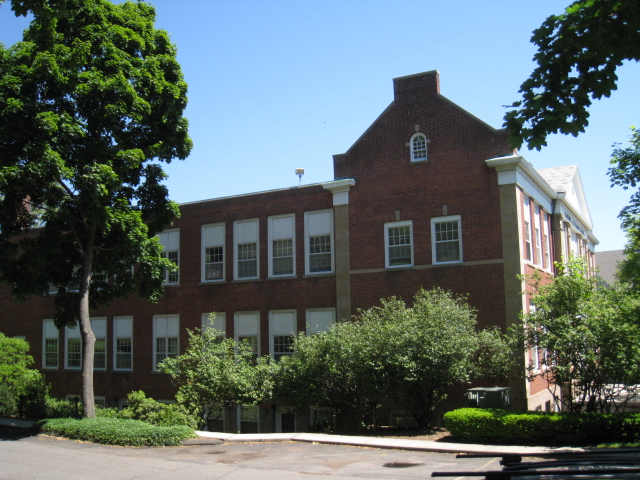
pixel 447 241
pixel 282 345
pixel 51 352
pixel 74 353
pixel 282 262
pixel 100 354
pixel 247 260
pixel 171 277
pixel 320 253
pixel 123 353
pixel 213 263
pixel 399 245
pixel 419 148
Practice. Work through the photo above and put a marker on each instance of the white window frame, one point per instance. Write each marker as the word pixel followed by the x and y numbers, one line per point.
pixel 547 240
pixel 282 228
pixel 170 240
pixel 419 154
pixel 538 234
pixel 122 330
pixel 528 240
pixel 213 236
pixel 247 325
pixel 282 323
pixel 99 327
pixel 50 332
pixel 218 322
pixel 387 243
pixel 166 327
pixel 318 223
pixel 434 242
pixel 75 335
pixel 246 232
pixel 319 319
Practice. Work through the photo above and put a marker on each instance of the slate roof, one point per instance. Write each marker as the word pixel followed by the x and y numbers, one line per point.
pixel 559 178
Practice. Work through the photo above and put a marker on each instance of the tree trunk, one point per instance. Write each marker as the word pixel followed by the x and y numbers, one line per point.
pixel 88 338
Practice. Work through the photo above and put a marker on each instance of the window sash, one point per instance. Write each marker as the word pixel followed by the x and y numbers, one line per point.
pixel 124 353
pixel 399 245
pixel 166 347
pixel 320 253
pixel 247 260
pixel 282 257
pixel 173 257
pixel 100 354
pixel 74 353
pixel 213 263
pixel 447 241
pixel 51 353
pixel 282 345
pixel 419 147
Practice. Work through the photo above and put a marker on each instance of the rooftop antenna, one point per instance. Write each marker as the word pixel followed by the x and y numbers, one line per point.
pixel 299 172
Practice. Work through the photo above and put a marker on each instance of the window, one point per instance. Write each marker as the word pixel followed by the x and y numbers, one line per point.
pixel 319 241
pixel 50 339
pixel 527 230
pixel 446 240
pixel 171 250
pixel 398 244
pixel 418 147
pixel 320 320
pixel 165 338
pixel 212 253
pixel 282 245
pixel 99 327
pixel 547 243
pixel 245 244
pixel 538 230
pixel 73 349
pixel 248 419
pixel 282 328
pixel 247 329
pixel 217 320
pixel 123 343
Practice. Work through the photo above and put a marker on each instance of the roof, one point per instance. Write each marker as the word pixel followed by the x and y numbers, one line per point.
pixel 607 264
pixel 559 178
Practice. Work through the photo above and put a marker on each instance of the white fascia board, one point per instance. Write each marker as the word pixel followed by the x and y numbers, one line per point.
pixel 340 190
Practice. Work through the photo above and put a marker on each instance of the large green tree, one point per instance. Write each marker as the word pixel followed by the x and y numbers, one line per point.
pixel 91 104
pixel 578 54
pixel 584 340
pixel 410 354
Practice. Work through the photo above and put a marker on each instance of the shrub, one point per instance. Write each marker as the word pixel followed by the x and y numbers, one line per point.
pixel 62 408
pixel 112 431
pixel 33 392
pixel 8 403
pixel 157 413
pixel 564 428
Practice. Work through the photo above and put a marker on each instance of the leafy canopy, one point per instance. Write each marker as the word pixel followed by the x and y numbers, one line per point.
pixel 578 54
pixel 409 354
pixel 91 104
pixel 582 338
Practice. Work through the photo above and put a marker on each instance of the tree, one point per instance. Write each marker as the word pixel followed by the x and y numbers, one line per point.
pixel 214 372
pixel 578 54
pixel 411 355
pixel 39 7
pixel 626 173
pixel 584 339
pixel 91 103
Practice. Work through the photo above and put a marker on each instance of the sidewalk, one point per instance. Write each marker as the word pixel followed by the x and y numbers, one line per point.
pixel 373 442
pixel 381 442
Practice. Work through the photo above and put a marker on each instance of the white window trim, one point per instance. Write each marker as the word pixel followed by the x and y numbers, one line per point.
pixel 272 314
pixel 413 151
pixel 292 216
pixel 547 241
pixel 164 248
pixel 106 344
pixel 235 248
pixel 528 230
pixel 204 253
pixel 387 227
pixel 155 336
pixel 117 336
pixel 449 218
pixel 307 236
pixel 68 337
pixel 44 344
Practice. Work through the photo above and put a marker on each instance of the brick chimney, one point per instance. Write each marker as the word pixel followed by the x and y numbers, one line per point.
pixel 417 85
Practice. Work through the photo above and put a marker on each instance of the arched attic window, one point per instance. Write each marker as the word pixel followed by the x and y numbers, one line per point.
pixel 418 145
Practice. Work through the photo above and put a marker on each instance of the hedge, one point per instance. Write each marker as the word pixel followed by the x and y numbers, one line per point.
pixel 563 428
pixel 114 431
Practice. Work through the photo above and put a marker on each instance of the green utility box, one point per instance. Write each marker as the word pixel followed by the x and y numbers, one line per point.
pixel 489 397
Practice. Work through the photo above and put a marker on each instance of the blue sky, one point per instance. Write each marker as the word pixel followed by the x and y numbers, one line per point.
pixel 278 85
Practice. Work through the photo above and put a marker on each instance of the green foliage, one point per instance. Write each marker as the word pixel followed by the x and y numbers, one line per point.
pixel 14 360
pixel 625 173
pixel 56 408
pixel 578 54
pixel 111 431
pixel 91 103
pixel 588 338
pixel 541 428
pixel 33 393
pixel 154 412
pixel 8 401
pixel 409 354
pixel 214 372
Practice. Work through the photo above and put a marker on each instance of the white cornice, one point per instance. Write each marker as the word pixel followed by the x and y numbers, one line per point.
pixel 340 190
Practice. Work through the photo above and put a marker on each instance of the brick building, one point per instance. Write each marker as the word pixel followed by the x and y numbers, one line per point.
pixel 428 196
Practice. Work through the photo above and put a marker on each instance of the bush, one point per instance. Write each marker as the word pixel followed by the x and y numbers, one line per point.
pixel 33 392
pixel 157 413
pixel 564 428
pixel 8 403
pixel 112 431
pixel 62 408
